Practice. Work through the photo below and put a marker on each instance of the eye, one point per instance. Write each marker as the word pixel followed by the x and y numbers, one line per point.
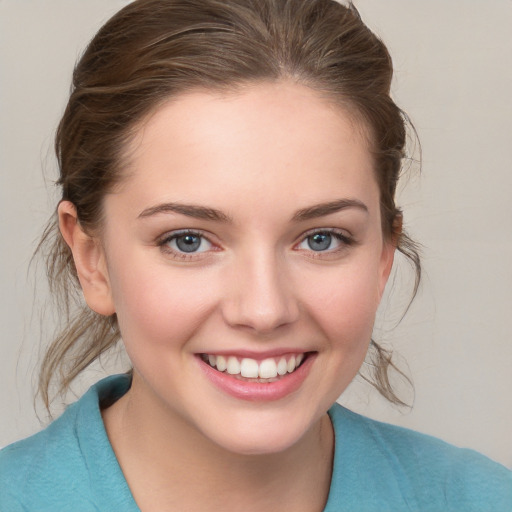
pixel 324 241
pixel 186 242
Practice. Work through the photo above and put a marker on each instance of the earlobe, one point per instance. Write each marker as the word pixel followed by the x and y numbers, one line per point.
pixel 89 259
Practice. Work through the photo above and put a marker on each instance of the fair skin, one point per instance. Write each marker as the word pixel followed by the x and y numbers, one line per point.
pixel 282 257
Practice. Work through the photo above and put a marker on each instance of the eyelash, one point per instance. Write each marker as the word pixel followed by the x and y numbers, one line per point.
pixel 179 255
pixel 344 240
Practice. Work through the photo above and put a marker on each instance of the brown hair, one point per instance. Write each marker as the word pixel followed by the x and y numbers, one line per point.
pixel 154 49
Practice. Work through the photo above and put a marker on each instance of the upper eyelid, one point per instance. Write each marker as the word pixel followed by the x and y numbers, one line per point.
pixel 169 235
pixel 345 240
pixel 180 232
pixel 176 254
pixel 342 232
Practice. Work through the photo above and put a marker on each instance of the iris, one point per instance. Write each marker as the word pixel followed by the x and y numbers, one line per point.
pixel 188 242
pixel 319 241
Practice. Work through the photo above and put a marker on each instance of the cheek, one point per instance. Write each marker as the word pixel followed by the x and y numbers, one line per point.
pixel 156 306
pixel 344 305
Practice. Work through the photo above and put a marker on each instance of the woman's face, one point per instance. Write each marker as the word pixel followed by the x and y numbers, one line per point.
pixel 245 261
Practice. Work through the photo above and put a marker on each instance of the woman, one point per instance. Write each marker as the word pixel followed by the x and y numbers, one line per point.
pixel 228 171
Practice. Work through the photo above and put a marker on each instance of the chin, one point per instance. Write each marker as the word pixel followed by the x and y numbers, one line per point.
pixel 255 445
pixel 262 433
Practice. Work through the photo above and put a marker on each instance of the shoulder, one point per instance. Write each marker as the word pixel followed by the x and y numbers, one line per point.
pixel 54 466
pixel 51 457
pixel 421 469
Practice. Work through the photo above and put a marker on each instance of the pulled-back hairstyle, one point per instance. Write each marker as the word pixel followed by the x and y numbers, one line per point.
pixel 152 50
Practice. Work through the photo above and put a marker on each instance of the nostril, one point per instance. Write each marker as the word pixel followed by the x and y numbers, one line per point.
pixel 261 318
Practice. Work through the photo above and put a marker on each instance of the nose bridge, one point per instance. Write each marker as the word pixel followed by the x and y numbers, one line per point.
pixel 261 297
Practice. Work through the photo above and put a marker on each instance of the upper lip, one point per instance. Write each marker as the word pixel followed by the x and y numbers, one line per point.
pixel 251 354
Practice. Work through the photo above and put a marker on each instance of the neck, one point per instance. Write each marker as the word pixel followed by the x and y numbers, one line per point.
pixel 170 465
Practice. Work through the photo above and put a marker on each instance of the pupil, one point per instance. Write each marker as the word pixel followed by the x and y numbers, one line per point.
pixel 319 241
pixel 188 243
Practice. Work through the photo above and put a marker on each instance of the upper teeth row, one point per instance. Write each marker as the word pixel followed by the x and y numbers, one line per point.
pixel 250 368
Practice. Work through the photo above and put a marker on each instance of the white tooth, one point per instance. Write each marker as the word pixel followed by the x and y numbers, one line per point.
pixel 282 366
pixel 221 363
pixel 299 360
pixel 212 360
pixel 233 365
pixel 249 368
pixel 268 369
pixel 291 364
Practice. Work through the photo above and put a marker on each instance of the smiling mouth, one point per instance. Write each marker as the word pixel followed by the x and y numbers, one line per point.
pixel 268 370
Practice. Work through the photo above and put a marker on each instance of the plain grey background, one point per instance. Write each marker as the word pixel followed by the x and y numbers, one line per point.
pixel 453 76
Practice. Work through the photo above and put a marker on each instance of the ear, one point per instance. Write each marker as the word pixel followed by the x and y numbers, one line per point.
pixel 89 259
pixel 388 252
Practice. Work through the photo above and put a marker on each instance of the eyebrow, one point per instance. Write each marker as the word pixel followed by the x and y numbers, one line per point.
pixel 205 213
pixel 319 210
pixel 190 210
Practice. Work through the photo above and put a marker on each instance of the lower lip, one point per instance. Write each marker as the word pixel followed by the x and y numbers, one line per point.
pixel 257 391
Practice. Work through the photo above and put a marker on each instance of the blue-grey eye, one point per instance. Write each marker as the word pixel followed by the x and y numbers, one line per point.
pixel 319 241
pixel 324 241
pixel 188 243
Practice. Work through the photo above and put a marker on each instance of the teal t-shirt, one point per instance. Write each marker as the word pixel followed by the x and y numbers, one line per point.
pixel 70 466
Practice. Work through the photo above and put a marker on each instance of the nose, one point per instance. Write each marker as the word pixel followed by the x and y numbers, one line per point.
pixel 261 296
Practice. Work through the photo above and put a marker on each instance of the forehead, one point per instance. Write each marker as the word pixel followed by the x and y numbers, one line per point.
pixel 261 141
